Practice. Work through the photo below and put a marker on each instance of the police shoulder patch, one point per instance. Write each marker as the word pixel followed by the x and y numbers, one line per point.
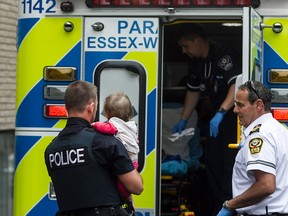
pixel 255 145
pixel 255 129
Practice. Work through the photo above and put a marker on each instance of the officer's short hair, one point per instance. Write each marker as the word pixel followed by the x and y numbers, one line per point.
pixel 79 94
pixel 190 31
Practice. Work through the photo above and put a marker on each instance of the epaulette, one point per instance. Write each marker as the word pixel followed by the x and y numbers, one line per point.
pixel 255 129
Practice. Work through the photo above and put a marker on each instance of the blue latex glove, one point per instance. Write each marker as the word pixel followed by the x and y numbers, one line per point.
pixel 174 167
pixel 225 212
pixel 180 126
pixel 214 123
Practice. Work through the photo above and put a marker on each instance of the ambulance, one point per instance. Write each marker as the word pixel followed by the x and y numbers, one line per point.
pixel 128 46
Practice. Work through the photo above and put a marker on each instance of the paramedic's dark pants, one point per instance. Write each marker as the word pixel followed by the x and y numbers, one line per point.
pixel 219 161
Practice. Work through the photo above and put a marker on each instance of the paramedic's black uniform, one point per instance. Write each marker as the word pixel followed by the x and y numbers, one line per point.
pixel 83 165
pixel 213 76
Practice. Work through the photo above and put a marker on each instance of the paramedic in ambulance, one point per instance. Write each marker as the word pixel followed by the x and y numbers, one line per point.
pixel 84 164
pixel 260 176
pixel 213 69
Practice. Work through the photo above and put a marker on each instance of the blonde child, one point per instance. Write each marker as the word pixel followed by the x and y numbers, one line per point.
pixel 118 110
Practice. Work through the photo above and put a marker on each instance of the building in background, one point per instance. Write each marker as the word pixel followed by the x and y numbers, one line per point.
pixel 8 41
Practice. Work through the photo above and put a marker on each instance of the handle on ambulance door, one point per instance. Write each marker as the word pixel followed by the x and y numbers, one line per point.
pixel 276 27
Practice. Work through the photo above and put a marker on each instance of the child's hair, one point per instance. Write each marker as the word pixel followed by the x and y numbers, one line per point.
pixel 118 105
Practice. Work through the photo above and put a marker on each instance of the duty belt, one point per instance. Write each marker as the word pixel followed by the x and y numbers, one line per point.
pixel 97 211
pixel 110 211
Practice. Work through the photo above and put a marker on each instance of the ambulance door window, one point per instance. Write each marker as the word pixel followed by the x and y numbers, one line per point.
pixel 128 77
pixel 252 44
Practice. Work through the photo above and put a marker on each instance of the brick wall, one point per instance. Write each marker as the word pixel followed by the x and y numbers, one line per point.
pixel 8 40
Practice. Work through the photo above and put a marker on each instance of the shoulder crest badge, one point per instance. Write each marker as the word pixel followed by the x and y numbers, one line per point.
pixel 255 129
pixel 225 63
pixel 255 145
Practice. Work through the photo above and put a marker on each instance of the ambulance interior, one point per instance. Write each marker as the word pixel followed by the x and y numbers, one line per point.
pixel 188 189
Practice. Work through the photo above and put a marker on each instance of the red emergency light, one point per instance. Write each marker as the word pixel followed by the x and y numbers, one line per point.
pixel 140 2
pixel 193 3
pixel 120 2
pixel 242 2
pixel 181 2
pixel 160 2
pixel 280 114
pixel 55 111
pixel 222 2
pixel 201 2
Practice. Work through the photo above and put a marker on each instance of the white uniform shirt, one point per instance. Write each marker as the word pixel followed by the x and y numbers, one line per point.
pixel 266 149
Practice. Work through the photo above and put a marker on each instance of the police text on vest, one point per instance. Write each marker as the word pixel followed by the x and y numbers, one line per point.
pixel 68 157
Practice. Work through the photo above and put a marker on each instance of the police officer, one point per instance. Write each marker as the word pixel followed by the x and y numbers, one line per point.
pixel 84 164
pixel 260 175
pixel 213 69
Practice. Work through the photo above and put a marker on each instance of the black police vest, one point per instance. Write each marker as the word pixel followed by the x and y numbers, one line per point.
pixel 79 181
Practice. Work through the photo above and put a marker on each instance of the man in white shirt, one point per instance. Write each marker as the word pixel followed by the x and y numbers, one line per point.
pixel 260 174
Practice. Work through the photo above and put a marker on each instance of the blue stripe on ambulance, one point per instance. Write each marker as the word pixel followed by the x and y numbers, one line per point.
pixel 273 60
pixel 25 144
pixel 31 103
pixel 44 208
pixel 151 122
pixel 24 26
pixel 94 58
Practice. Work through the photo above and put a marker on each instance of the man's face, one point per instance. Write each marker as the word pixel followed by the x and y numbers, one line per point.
pixel 245 111
pixel 190 48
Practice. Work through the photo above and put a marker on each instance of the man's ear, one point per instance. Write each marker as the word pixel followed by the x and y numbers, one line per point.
pixel 260 103
pixel 91 107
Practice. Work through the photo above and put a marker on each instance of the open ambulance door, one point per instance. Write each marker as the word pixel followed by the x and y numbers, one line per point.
pixel 252 52
pixel 252 46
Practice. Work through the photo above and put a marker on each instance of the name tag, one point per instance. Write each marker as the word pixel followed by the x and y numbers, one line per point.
pixel 69 157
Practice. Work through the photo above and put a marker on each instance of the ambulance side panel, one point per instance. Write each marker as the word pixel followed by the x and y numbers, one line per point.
pixel 42 42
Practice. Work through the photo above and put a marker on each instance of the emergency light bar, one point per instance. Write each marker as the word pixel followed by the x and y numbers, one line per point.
pixel 278 76
pixel 55 111
pixel 54 92
pixel 59 73
pixel 280 114
pixel 194 3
